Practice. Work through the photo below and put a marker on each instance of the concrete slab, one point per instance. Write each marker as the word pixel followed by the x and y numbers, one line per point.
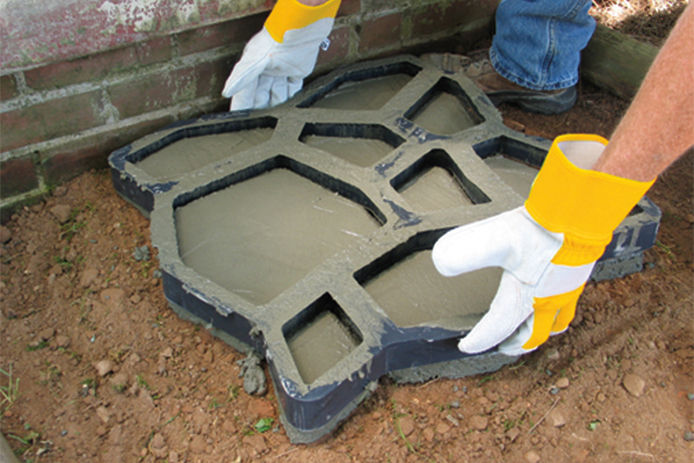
pixel 303 233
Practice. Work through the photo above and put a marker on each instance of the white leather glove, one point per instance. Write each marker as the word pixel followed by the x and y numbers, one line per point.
pixel 278 58
pixel 547 248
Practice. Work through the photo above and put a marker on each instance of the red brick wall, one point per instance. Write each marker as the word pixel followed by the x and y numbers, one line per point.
pixel 63 113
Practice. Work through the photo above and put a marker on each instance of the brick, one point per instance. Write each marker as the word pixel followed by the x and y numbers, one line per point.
pixel 147 93
pixel 17 176
pixel 339 48
pixel 218 35
pixel 210 76
pixel 8 87
pixel 435 18
pixel 91 152
pixel 348 7
pixel 99 66
pixel 380 32
pixel 51 119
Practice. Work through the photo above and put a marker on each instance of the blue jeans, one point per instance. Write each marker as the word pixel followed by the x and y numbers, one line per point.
pixel 538 43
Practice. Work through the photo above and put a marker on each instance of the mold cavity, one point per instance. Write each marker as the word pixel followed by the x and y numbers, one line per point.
pixel 444 110
pixel 514 162
pixel 191 148
pixel 319 337
pixel 406 285
pixel 367 89
pixel 259 231
pixel 363 145
pixel 435 182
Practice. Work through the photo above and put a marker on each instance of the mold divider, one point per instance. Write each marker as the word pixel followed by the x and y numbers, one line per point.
pixel 439 158
pixel 321 87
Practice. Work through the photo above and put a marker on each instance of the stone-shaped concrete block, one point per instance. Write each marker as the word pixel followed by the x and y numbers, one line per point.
pixel 303 233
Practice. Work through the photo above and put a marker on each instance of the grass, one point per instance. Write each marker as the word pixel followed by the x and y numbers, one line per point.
pixel 9 393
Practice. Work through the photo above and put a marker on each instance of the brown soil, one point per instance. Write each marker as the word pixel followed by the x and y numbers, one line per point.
pixel 108 373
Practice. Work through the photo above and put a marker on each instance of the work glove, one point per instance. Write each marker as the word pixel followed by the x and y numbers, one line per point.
pixel 276 60
pixel 547 248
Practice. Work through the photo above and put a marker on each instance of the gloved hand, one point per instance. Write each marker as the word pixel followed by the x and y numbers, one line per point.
pixel 276 60
pixel 547 248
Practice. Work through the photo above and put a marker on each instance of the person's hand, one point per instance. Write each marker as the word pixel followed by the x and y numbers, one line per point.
pixel 547 248
pixel 278 58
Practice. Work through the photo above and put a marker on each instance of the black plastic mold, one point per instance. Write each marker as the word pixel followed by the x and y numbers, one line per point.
pixel 337 303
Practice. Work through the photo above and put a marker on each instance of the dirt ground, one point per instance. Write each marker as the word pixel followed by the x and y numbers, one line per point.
pixel 96 367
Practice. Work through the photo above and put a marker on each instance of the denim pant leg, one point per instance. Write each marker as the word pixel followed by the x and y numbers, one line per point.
pixel 538 43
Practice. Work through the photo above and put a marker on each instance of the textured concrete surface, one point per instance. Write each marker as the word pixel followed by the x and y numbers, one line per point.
pixel 347 305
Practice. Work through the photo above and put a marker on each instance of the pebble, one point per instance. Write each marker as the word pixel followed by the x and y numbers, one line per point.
pixel 141 253
pixel 46 334
pixel 62 341
pixel 532 457
pixel 158 446
pixel 455 404
pixel 556 418
pixel 563 383
pixel 442 428
pixel 689 436
pixel 103 367
pixel 5 234
pixel 513 434
pixel 406 425
pixel 61 212
pixel 103 414
pixel 690 396
pixel 479 422
pixel 554 391
pixel 553 354
pixel 634 384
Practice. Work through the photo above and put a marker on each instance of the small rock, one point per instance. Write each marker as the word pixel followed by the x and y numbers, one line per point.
pixel 61 212
pixel 513 434
pixel 158 446
pixel 103 414
pixel 455 404
pixel 563 383
pixel 689 436
pixel 406 425
pixel 119 381
pixel 553 354
pixel 89 276
pixel 46 334
pixel 62 341
pixel 5 234
pixel 166 353
pixel 479 422
pixel 173 457
pixel 634 384
pixel 254 381
pixel 141 253
pixel 690 396
pixel 103 367
pixel 532 457
pixel 257 442
pixel 442 428
pixel 428 434
pixel 556 418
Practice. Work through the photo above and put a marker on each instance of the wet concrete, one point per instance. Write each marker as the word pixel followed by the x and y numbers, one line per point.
pixel 259 237
pixel 190 154
pixel 303 233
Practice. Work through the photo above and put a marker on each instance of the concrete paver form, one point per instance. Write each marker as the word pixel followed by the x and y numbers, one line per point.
pixel 304 232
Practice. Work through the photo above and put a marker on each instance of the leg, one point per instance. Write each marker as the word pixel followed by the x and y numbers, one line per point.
pixel 538 42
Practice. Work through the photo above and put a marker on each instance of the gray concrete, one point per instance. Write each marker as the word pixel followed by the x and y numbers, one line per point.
pixel 304 232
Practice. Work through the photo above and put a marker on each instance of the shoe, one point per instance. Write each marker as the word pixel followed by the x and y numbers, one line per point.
pixel 500 90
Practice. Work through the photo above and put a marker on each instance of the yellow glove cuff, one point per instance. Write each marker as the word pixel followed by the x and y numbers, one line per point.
pixel 585 205
pixel 290 14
